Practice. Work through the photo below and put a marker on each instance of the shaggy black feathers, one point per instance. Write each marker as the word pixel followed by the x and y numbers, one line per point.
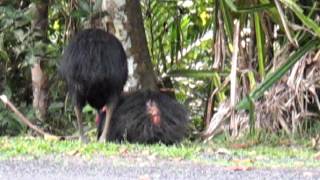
pixel 148 117
pixel 94 66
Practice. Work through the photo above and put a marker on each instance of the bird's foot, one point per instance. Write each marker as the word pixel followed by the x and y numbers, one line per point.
pixel 102 139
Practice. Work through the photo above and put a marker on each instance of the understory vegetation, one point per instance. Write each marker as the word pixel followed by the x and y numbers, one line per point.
pixel 240 68
pixel 273 152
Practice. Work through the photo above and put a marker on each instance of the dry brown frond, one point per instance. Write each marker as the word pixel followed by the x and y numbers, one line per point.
pixel 285 106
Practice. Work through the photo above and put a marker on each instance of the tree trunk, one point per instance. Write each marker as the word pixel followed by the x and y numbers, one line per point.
pixel 125 21
pixel 2 76
pixel 39 79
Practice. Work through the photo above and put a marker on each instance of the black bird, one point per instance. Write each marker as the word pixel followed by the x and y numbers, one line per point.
pixel 94 66
pixel 147 117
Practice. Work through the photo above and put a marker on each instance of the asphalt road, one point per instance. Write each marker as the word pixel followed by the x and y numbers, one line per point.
pixel 74 168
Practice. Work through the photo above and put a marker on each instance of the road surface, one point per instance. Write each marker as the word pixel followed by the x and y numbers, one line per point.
pixel 136 168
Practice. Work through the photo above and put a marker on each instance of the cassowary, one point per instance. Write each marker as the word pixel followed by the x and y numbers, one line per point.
pixel 146 117
pixel 94 66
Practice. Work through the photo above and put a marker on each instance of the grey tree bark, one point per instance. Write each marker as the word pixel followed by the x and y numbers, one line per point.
pixel 125 21
pixel 39 79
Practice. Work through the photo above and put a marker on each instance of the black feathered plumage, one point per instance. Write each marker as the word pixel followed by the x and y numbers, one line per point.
pixel 147 117
pixel 94 67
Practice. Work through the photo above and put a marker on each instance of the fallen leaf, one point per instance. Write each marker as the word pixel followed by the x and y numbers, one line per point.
pixel 145 152
pixel 51 137
pixel 285 142
pixel 239 168
pixel 144 177
pixel 239 146
pixel 73 153
pixel 5 144
pixel 123 151
pixel 315 142
pixel 243 160
pixel 177 159
pixel 210 150
pixel 261 158
pixel 308 174
pixel 317 156
pixel 299 164
pixel 223 151
pixel 29 137
pixel 151 157
pixel 244 145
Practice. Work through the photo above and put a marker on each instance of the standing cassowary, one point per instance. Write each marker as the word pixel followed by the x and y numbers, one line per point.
pixel 146 117
pixel 94 66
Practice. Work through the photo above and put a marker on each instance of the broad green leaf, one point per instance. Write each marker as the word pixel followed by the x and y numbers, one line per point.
pixel 4 56
pixel 85 6
pixel 88 108
pixel 260 44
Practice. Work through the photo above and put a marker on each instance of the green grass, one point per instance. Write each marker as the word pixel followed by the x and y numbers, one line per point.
pixel 264 156
pixel 21 146
pixel 215 153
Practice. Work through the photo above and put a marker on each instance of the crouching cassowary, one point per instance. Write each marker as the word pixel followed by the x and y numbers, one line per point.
pixel 146 117
pixel 94 66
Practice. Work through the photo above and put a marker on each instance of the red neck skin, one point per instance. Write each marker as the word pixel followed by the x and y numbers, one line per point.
pixel 103 110
pixel 154 112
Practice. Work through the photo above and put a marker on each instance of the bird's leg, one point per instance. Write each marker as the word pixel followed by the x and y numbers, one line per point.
pixel 112 105
pixel 83 138
pixel 100 118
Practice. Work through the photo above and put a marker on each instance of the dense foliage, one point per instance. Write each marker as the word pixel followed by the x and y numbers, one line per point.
pixel 191 46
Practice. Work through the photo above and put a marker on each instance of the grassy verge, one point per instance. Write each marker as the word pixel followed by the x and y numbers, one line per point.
pixel 214 153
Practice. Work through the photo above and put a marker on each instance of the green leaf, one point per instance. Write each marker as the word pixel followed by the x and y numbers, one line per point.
pixel 273 13
pixel 84 6
pixel 31 12
pixel 247 9
pixel 274 77
pixel 56 105
pixel 97 5
pixel 252 119
pixel 4 56
pixel 88 108
pixel 260 44
pixel 228 20
pixel 306 20
pixel 216 82
pixel 198 74
pixel 19 35
pixel 79 13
